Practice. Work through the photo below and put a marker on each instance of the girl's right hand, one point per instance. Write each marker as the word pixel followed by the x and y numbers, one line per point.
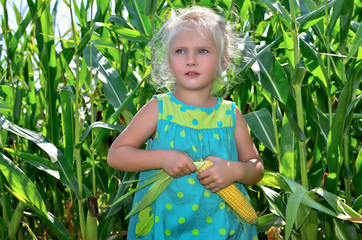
pixel 177 163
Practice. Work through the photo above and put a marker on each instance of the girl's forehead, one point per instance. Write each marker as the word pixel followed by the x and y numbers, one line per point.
pixel 192 35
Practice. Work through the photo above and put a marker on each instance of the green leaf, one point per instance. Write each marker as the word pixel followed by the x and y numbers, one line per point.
pixel 38 162
pixel 114 87
pixel 357 42
pixel 312 15
pixel 118 128
pixel 130 34
pixel 262 127
pixel 137 17
pixel 58 159
pixel 314 61
pixel 127 33
pixel 293 203
pixel 343 211
pixel 344 230
pixel 340 9
pixel 335 136
pixel 266 68
pixel 66 102
pixel 150 7
pixel 288 151
pixel 277 8
pixel 47 217
pixel 275 200
pixel 20 183
pixel 267 221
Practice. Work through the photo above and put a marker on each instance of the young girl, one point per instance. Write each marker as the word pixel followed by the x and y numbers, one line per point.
pixel 183 126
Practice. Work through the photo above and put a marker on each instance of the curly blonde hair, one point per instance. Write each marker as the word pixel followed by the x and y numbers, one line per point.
pixel 205 21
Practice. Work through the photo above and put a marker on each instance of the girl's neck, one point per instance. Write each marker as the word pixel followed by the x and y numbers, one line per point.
pixel 195 98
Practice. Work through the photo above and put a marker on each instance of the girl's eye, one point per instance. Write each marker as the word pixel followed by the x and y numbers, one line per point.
pixel 179 51
pixel 203 51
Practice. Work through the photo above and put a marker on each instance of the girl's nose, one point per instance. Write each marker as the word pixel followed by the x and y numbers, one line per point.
pixel 191 59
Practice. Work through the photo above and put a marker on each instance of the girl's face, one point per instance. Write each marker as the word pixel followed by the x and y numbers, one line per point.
pixel 193 60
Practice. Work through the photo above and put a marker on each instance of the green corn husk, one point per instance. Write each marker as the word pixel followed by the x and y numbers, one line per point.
pixel 160 181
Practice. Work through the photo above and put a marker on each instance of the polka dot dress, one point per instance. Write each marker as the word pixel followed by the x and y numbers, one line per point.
pixel 186 209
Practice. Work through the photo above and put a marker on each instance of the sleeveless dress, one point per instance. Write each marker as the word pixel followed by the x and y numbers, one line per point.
pixel 186 209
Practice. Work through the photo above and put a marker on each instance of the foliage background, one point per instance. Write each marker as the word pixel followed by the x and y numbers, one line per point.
pixel 63 99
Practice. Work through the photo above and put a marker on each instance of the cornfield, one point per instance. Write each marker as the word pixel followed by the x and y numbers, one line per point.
pixel 64 97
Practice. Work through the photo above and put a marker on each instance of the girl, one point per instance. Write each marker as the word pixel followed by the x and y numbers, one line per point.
pixel 183 126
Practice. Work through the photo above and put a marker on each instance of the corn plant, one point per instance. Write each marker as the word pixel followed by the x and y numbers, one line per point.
pixel 64 98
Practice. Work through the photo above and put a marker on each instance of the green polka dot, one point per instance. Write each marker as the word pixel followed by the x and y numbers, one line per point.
pixel 159 115
pixel 171 144
pixel 228 209
pixel 166 128
pixel 181 220
pixel 182 133
pixel 180 195
pixel 195 207
pixel 209 219
pixel 157 219
pixel 191 181
pixel 229 137
pixel 207 193
pixel 168 206
pixel 222 205
pixel 222 231
pixel 168 232
pixel 194 148
pixel 195 232
pixel 216 136
pixel 200 136
pixel 232 233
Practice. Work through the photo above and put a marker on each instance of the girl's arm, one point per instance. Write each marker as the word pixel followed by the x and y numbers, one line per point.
pixel 248 170
pixel 124 153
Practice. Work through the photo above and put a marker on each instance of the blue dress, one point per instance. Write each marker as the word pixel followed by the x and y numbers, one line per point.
pixel 186 209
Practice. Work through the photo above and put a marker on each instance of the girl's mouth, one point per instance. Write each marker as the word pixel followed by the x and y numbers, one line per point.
pixel 192 74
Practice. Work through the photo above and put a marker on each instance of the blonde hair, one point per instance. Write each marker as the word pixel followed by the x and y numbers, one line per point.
pixel 205 21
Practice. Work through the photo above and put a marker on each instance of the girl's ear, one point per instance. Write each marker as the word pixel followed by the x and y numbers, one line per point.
pixel 225 63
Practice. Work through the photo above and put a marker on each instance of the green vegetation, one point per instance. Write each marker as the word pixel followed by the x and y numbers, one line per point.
pixel 63 100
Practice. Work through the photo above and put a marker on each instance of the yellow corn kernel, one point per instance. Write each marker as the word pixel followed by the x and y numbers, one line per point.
pixel 235 199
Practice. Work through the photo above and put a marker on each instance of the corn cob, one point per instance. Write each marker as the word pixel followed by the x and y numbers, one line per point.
pixel 235 199
pixel 91 225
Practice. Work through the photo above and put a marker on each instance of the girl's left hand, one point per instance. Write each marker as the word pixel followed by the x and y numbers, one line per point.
pixel 218 176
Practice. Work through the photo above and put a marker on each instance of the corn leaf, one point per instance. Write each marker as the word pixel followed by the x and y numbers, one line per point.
pixel 20 183
pixel 357 42
pixel 114 88
pixel 289 166
pixel 262 127
pixel 67 100
pixel 40 163
pixel 47 217
pixel 294 201
pixel 58 159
